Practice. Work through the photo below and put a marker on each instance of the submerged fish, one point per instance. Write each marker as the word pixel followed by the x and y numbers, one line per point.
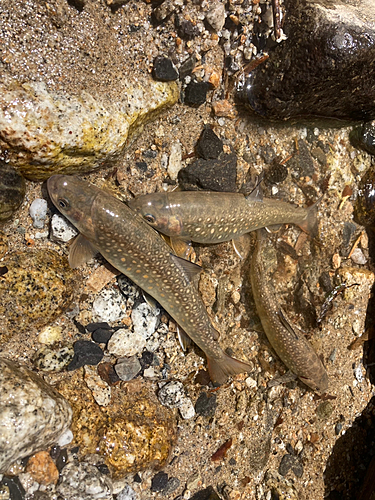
pixel 288 341
pixel 210 217
pixel 110 227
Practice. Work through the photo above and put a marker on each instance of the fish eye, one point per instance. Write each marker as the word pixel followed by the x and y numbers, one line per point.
pixel 63 203
pixel 149 218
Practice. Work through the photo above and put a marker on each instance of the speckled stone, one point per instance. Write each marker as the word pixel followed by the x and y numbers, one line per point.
pixel 37 288
pixel 48 359
pixel 84 481
pixel 47 132
pixel 42 468
pixel 12 190
pixel 134 432
pixel 33 415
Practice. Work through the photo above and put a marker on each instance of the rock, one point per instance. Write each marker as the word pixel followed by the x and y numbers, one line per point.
pixel 12 190
pixel 61 229
pixel 290 462
pixel 209 146
pixel 109 305
pixel 206 404
pixel 42 468
pixel 172 395
pixel 83 481
pixel 364 137
pixel 101 391
pixel 127 494
pixel 48 359
pixel 196 93
pixel 206 494
pixel 37 288
pixel 275 173
pixel 127 368
pixel 211 175
pixel 358 257
pixel 364 208
pixel 302 164
pixel 32 413
pixel 175 160
pixel 13 486
pixel 186 29
pixel 145 319
pixel 50 335
pixel 38 212
pixel 216 16
pixel 324 410
pixel 102 335
pixel 133 433
pixel 126 343
pixel 85 353
pixel 159 482
pixel 108 374
pixel 314 72
pixel 173 484
pixel 164 70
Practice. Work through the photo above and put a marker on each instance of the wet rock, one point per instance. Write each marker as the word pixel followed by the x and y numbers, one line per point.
pixel 364 208
pixel 164 70
pixel 206 404
pixel 196 93
pixel 100 390
pixel 127 494
pixel 14 487
pixel 126 343
pixel 32 413
pixel 206 494
pixel 51 132
pixel 290 462
pixel 109 305
pixel 145 319
pixel 175 160
pixel 302 164
pixel 172 395
pixel 12 190
pixel 275 173
pixel 159 482
pixel 37 288
pixel 279 487
pixel 173 484
pixel 42 468
pixel 48 359
pixel 364 137
pixel 38 212
pixel 85 353
pixel 61 229
pixel 358 257
pixel 216 16
pixel 186 29
pixel 50 335
pixel 83 481
pixel 128 368
pixel 102 334
pixel 209 146
pixel 134 432
pixel 108 374
pixel 324 410
pixel 315 71
pixel 211 175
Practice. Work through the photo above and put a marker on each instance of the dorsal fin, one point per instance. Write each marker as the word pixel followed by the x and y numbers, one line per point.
pixel 81 251
pixel 189 268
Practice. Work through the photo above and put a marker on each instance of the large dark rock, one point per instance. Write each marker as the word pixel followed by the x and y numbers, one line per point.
pixel 325 68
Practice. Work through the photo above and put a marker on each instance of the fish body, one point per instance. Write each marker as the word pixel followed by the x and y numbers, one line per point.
pixel 288 341
pixel 126 241
pixel 211 217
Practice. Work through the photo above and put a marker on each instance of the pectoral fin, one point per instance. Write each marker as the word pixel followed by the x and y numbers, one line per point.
pixel 181 248
pixel 81 251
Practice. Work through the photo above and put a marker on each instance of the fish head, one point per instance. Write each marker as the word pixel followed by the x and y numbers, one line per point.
pixel 160 213
pixel 74 198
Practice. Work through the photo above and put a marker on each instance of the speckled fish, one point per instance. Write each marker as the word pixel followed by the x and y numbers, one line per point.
pixel 210 217
pixel 110 227
pixel 288 341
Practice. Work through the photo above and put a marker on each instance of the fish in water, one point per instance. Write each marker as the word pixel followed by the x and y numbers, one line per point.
pixel 110 227
pixel 288 341
pixel 210 217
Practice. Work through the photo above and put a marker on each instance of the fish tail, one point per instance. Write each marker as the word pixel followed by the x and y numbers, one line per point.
pixel 310 224
pixel 222 368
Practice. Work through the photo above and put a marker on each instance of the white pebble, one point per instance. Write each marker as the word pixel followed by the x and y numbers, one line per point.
pixel 358 256
pixel 149 372
pixel 50 335
pixel 175 160
pixel 61 229
pixel 38 212
pixel 251 383
pixel 125 343
pixel 109 305
pixel 145 319
pixel 65 438
pixel 187 409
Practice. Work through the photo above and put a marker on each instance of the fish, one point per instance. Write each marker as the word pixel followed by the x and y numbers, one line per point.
pixel 126 241
pixel 211 217
pixel 289 343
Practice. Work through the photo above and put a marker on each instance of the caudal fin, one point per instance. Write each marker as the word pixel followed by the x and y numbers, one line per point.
pixel 221 369
pixel 310 224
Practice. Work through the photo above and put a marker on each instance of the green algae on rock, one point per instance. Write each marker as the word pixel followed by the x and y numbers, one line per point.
pixel 37 288
pixel 47 132
pixel 12 190
pixel 133 433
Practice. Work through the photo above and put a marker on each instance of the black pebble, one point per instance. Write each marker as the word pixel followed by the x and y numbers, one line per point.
pixel 102 335
pixel 62 459
pixel 305 161
pixel 206 404
pixel 173 484
pixel 91 327
pixel 149 153
pixel 196 93
pixel 146 359
pixel 289 462
pixel 164 70
pixel 212 175
pixel 325 282
pixel 159 481
pixel 186 29
pixel 16 489
pixel 103 469
pixel 142 166
pixel 209 145
pixel 275 173
pixel 137 478
pixel 206 494
pixel 85 353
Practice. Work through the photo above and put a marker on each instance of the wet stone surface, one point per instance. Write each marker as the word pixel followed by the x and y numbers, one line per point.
pixel 12 190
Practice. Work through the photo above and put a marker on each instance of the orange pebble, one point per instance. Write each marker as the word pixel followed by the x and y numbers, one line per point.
pixel 42 468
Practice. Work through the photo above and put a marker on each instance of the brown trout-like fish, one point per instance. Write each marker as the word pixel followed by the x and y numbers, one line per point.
pixel 210 217
pixel 108 226
pixel 288 341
